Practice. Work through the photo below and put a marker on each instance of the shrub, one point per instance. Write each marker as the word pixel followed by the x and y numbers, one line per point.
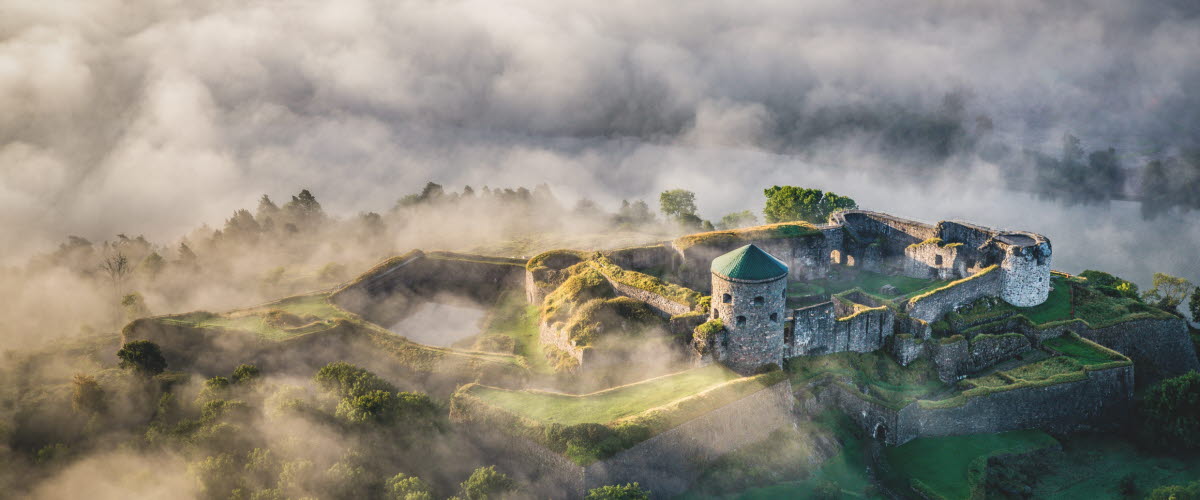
pixel 487 483
pixel 347 380
pixel 405 487
pixel 1171 413
pixel 87 397
pixel 629 491
pixel 143 356
pixel 1190 491
pixel 244 373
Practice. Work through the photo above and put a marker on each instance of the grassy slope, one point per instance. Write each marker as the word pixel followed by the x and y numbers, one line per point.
pixel 515 318
pixel 608 405
pixel 942 463
pixel 254 319
pixel 1080 351
pixel 871 282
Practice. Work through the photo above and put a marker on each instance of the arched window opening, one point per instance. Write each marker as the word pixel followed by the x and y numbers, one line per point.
pixel 850 261
pixel 741 320
pixel 835 257
pixel 758 301
pixel 727 298
pixel 716 313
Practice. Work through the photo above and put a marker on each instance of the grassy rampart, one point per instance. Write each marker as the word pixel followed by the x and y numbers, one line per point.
pixel 734 237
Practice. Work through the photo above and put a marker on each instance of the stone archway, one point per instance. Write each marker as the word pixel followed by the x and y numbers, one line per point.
pixel 880 432
pixel 835 257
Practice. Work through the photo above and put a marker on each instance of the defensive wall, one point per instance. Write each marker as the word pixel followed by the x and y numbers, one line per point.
pixel 666 464
pixel 387 293
pixel 839 325
pixel 1099 399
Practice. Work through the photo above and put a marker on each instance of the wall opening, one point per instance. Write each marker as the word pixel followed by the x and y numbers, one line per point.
pixel 835 257
pixel 716 313
pixel 741 320
pixel 880 432
pixel 774 316
pixel 727 298
pixel 758 301
pixel 937 260
pixel 850 261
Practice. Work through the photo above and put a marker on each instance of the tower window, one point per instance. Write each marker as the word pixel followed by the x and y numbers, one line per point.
pixel 774 316
pixel 727 298
pixel 937 260
pixel 716 313
pixel 758 301
pixel 741 320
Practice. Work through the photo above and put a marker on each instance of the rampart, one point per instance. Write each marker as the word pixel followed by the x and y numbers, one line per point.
pixel 666 464
pixel 386 293
pixel 932 305
pixel 1101 399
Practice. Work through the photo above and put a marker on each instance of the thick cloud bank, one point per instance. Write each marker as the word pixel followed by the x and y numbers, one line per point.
pixel 151 116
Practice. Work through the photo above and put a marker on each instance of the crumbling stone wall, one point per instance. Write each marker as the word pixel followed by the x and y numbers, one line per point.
pixel 906 348
pixel 1159 348
pixel 987 350
pixel 753 315
pixel 657 302
pixel 1026 274
pixel 818 329
pixel 660 256
pixel 1101 401
pixel 813 332
pixel 950 357
pixel 933 306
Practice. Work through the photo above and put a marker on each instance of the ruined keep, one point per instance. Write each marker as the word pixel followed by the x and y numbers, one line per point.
pixel 749 297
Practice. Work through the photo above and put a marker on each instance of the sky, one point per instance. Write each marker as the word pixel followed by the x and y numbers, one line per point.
pixel 151 117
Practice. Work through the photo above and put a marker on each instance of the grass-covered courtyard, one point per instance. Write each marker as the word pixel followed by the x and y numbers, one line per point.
pixel 951 466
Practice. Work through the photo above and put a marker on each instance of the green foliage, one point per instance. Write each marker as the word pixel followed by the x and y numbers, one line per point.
pixel 143 356
pixel 677 203
pixel 705 336
pixel 1110 285
pixel 600 318
pixel 245 373
pixel 1168 292
pixel 1170 412
pixel 954 467
pixel 87 396
pixel 886 382
pixel 737 220
pixel 349 381
pixel 670 291
pixel 1190 491
pixel 486 483
pixel 628 491
pixel 405 487
pixel 791 203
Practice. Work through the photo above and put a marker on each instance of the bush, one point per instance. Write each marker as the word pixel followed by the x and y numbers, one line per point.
pixel 245 373
pixel 486 483
pixel 143 356
pixel 1190 491
pixel 630 491
pixel 347 380
pixel 405 487
pixel 1170 413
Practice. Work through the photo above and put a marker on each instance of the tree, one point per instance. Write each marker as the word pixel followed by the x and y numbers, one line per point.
pixel 634 214
pixel 406 487
pixel 677 203
pixel 266 209
pixel 1190 491
pixel 245 373
pixel 791 203
pixel 630 491
pixel 1171 413
pixel 1168 292
pixel 304 208
pixel 486 483
pixel 737 219
pixel 87 397
pixel 116 267
pixel 347 380
pixel 135 306
pixel 142 356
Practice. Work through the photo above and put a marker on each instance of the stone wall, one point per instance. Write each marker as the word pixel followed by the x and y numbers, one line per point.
pixel 1026 274
pixel 1101 401
pixel 933 261
pixel 930 307
pixel 817 330
pixel 753 314
pixel 657 302
pixel 987 350
pixel 660 256
pixel 866 413
pixel 906 348
pixel 1159 348
pixel 813 332
pixel 951 358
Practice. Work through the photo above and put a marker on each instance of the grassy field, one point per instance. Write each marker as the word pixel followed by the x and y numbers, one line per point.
pixel 871 282
pixel 513 317
pixel 1083 352
pixel 942 464
pixel 886 380
pixel 607 405
pixel 1092 466
pixel 1057 306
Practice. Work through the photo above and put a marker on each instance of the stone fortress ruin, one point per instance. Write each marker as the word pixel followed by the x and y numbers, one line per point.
pixel 908 329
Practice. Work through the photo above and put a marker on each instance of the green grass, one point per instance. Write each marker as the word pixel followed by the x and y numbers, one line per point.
pixel 1091 466
pixel 514 317
pixel 802 289
pixel 886 380
pixel 736 237
pixel 942 464
pixel 1085 353
pixel 608 405
pixel 1057 306
pixel 871 282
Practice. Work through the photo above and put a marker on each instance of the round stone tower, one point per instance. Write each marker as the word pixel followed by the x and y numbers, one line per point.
pixel 749 293
pixel 1026 267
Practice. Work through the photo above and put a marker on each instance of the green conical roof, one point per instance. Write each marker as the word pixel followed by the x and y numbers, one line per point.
pixel 748 263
